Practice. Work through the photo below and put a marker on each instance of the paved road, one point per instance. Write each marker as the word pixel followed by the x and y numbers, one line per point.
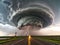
pixel 25 42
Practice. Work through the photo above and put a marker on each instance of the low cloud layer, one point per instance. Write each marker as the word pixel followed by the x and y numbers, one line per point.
pixel 8 30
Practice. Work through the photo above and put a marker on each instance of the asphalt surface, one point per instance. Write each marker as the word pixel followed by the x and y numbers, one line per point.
pixel 25 42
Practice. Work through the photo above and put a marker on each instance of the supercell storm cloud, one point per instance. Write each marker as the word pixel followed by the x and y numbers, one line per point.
pixel 30 14
pixel 35 15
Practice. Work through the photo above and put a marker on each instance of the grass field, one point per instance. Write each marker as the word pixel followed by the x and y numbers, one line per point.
pixel 10 38
pixel 54 39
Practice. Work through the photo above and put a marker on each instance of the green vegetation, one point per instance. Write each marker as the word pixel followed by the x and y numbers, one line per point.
pixel 53 39
pixel 8 39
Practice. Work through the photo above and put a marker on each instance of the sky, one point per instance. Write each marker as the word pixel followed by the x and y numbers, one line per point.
pixel 6 28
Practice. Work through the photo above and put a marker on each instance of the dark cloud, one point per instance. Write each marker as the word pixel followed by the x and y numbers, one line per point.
pixel 35 12
pixel 23 3
pixel 8 6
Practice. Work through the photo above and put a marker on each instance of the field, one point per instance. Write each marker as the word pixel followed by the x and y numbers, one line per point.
pixel 53 39
pixel 10 38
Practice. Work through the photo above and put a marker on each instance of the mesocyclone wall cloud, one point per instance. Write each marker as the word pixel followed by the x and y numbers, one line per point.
pixel 35 15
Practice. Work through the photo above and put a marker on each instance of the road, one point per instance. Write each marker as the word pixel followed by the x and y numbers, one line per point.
pixel 25 42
